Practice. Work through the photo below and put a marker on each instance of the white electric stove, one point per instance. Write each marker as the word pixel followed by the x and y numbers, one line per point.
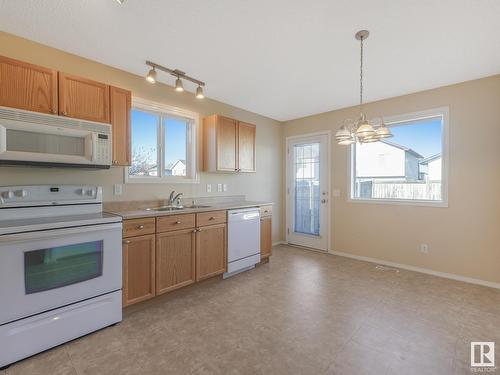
pixel 60 267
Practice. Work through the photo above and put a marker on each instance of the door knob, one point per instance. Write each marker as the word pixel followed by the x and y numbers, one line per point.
pixel 323 201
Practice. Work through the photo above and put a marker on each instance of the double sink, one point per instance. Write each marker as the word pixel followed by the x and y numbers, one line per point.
pixel 175 208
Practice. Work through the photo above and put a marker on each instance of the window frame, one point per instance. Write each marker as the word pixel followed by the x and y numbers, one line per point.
pixel 192 175
pixel 397 119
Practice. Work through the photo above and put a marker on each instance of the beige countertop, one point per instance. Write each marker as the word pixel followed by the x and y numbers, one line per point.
pixel 127 212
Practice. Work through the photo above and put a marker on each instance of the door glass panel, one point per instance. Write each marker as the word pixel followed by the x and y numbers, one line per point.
pixel 56 267
pixel 306 185
pixel 24 141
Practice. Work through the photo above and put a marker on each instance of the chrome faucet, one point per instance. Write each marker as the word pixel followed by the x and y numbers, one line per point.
pixel 174 199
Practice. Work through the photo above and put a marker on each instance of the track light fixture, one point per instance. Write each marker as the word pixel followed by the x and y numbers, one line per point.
pixel 151 76
pixel 199 92
pixel 180 76
pixel 178 85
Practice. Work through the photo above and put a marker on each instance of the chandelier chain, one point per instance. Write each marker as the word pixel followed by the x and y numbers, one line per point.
pixel 361 75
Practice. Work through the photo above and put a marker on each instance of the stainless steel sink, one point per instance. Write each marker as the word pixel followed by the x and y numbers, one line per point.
pixel 164 208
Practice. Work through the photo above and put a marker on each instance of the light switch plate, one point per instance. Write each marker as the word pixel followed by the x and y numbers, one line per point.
pixel 224 187
pixel 219 188
pixel 117 189
pixel 209 188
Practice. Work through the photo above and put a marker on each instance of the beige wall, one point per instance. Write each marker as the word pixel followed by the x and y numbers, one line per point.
pixel 464 238
pixel 263 185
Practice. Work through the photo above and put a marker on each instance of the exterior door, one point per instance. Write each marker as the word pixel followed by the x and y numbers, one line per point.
pixel 308 191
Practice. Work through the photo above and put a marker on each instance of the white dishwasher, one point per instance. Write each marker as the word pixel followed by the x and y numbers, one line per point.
pixel 243 240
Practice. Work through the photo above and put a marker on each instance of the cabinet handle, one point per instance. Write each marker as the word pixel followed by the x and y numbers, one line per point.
pixel 194 230
pixel 177 222
pixel 211 218
pixel 65 113
pixel 126 242
pixel 54 110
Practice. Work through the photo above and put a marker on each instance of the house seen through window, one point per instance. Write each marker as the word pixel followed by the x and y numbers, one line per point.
pixel 406 167
pixel 162 147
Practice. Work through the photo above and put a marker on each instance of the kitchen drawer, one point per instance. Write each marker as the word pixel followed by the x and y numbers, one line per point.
pixel 266 211
pixel 138 227
pixel 211 218
pixel 174 222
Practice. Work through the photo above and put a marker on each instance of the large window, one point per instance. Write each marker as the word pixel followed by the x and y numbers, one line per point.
pixel 410 167
pixel 163 145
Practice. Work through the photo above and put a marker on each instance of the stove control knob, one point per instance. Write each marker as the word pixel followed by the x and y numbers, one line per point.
pixel 21 193
pixel 90 192
pixel 81 191
pixel 7 194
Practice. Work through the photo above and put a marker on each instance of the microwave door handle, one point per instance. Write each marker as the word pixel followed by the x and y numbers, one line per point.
pixel 55 233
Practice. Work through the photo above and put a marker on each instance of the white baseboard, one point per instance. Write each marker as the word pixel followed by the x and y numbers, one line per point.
pixel 418 269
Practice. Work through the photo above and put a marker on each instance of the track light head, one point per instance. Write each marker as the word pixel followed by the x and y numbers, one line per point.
pixel 199 93
pixel 151 76
pixel 178 85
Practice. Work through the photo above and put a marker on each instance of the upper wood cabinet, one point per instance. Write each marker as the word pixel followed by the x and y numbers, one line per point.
pixel 27 86
pixel 120 107
pixel 138 269
pixel 246 147
pixel 175 260
pixel 228 145
pixel 84 99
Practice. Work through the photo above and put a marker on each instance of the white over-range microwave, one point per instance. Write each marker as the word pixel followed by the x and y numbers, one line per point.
pixel 29 138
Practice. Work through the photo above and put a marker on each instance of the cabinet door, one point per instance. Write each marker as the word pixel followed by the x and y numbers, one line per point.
pixel 120 102
pixel 27 86
pixel 266 242
pixel 227 149
pixel 138 269
pixel 175 260
pixel 211 257
pixel 246 147
pixel 82 98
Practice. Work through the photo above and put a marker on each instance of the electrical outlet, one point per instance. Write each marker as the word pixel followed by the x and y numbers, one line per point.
pixel 219 188
pixel 117 189
pixel 224 187
pixel 424 248
pixel 209 188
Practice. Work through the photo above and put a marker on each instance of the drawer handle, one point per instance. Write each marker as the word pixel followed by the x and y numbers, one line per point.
pixel 126 242
pixel 211 218
pixel 140 227
pixel 177 222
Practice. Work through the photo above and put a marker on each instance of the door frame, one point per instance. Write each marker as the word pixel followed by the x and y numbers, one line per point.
pixel 288 203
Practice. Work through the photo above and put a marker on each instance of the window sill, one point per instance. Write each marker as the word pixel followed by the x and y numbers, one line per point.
pixel 400 202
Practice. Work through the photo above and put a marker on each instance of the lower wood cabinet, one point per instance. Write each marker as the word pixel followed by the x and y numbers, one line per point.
pixel 266 243
pixel 175 260
pixel 211 250
pixel 138 269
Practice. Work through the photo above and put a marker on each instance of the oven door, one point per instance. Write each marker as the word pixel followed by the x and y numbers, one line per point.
pixel 40 271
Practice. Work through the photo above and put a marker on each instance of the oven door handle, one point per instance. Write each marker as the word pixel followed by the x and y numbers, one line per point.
pixel 54 233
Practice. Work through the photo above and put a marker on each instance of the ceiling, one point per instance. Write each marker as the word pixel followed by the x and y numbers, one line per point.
pixel 282 58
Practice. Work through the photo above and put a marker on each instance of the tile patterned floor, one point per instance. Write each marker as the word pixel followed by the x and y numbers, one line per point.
pixel 303 313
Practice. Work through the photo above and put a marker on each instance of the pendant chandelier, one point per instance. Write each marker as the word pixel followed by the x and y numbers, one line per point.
pixel 361 131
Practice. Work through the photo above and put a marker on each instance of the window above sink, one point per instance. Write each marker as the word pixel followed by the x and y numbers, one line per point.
pixel 163 142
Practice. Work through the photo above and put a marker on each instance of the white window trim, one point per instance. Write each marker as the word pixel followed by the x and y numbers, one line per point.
pixel 193 176
pixel 392 120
